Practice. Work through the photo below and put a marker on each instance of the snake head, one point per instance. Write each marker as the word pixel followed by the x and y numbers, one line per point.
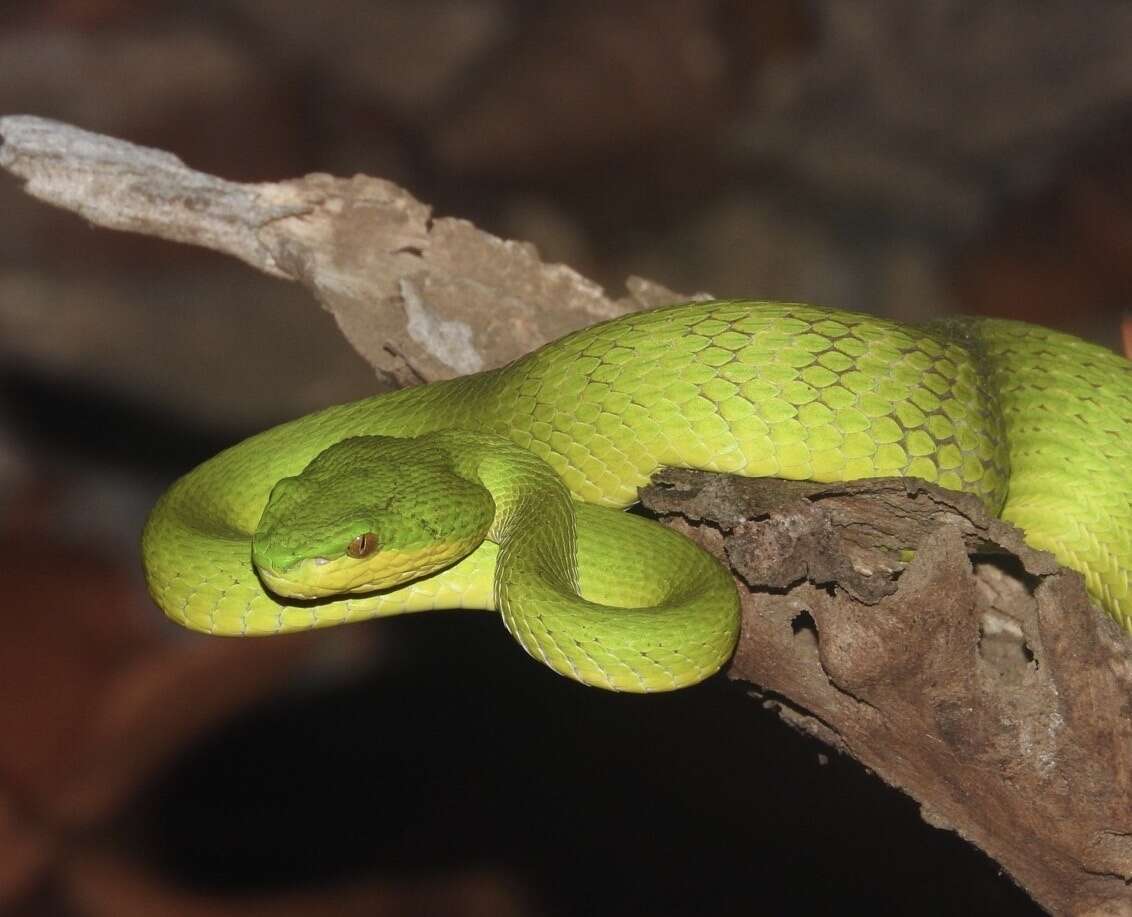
pixel 368 513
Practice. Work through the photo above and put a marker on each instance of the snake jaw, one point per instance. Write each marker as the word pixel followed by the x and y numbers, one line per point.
pixel 322 577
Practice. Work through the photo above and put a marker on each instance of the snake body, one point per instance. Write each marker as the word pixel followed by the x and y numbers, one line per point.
pixel 1036 423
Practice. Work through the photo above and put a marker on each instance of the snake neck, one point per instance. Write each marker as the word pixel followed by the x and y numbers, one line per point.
pixel 600 596
pixel 534 522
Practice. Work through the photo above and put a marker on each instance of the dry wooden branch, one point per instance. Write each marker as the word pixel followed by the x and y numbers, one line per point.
pixel 976 676
pixel 420 298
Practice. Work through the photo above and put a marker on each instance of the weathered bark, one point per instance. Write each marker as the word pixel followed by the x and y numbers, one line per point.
pixel 975 675
pixel 419 297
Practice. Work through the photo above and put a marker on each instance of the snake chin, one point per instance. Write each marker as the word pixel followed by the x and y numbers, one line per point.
pixel 323 577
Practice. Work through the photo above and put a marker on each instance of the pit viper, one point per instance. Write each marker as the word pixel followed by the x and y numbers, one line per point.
pixel 504 490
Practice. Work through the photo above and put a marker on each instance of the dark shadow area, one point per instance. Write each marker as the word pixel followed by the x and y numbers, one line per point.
pixel 469 754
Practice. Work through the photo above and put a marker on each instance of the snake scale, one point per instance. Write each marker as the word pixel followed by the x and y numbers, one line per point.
pixel 502 490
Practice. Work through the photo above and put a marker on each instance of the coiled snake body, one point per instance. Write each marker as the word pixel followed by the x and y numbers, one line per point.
pixel 501 489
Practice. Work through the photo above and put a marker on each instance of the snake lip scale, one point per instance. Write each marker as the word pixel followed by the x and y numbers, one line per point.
pixel 503 490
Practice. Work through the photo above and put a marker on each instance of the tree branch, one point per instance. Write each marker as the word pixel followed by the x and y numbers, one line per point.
pixel 420 298
pixel 976 676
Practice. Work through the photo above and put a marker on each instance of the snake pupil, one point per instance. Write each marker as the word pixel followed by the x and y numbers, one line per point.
pixel 363 545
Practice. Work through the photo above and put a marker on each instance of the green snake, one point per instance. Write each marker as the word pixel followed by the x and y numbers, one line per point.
pixel 502 490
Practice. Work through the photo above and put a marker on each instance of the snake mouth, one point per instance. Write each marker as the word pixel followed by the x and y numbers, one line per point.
pixel 321 577
pixel 285 585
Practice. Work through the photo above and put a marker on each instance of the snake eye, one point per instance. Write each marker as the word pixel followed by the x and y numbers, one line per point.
pixel 362 546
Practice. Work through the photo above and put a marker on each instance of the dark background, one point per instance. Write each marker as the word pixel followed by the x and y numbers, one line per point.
pixel 906 159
